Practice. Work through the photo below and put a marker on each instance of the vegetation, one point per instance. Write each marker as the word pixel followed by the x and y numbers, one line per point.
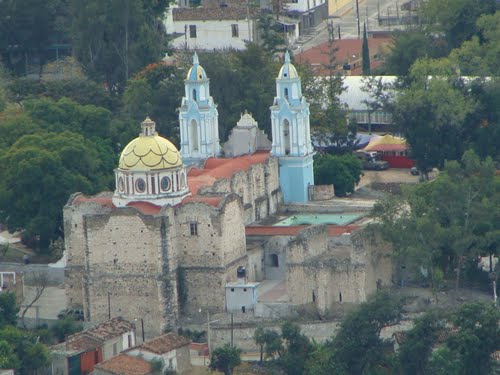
pixel 344 172
pixel 225 359
pixel 440 226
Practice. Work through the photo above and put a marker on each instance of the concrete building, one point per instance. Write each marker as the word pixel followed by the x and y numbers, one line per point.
pixel 213 25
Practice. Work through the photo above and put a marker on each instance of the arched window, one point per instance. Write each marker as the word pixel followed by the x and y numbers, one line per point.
pixel 286 136
pixel 193 133
pixel 286 93
pixel 194 94
pixel 275 260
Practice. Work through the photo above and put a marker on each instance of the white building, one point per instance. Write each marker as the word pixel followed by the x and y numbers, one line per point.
pixel 212 27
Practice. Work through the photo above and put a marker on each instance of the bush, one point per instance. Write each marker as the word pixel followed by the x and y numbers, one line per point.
pixel 343 171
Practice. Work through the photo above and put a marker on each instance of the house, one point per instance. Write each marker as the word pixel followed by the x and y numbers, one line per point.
pixel 213 25
pixel 83 350
pixel 171 348
pixel 123 365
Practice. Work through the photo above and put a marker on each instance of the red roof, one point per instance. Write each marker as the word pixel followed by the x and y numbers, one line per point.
pixel 103 201
pixel 146 208
pixel 269 230
pixel 218 168
pixel 125 365
pixel 348 51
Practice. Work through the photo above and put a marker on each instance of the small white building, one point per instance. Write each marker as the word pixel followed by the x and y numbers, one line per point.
pixel 212 27
pixel 241 297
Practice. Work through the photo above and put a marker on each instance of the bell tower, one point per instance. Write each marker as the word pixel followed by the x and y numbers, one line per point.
pixel 292 135
pixel 198 118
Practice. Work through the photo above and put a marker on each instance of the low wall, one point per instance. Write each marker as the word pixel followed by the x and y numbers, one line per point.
pixel 55 275
pixel 322 192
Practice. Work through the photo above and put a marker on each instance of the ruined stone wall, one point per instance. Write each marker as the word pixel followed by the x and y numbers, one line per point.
pixel 75 245
pixel 276 246
pixel 310 242
pixel 209 259
pixel 322 192
pixel 255 269
pixel 131 269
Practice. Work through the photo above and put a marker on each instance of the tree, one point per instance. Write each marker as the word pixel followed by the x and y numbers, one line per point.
pixel 22 351
pixel 27 29
pixel 357 347
pixel 41 171
pixel 225 359
pixel 115 39
pixel 366 53
pixel 297 349
pixel 468 349
pixel 271 37
pixel 440 224
pixel 357 344
pixel 408 47
pixel 65 327
pixel 431 114
pixel 414 354
pixel 156 91
pixel 40 280
pixel 269 341
pixel 8 309
pixel 343 172
pixel 455 18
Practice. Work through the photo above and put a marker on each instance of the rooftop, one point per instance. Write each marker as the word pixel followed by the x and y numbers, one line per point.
pixel 165 343
pixel 213 13
pixel 270 230
pixel 111 328
pixel 125 365
pixel 347 51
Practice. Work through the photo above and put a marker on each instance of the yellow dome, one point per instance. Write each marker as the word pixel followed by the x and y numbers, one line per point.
pixel 149 152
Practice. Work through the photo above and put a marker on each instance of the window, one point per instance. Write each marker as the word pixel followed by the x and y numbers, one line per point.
pixel 165 183
pixel 274 260
pixel 286 93
pixel 194 95
pixel 129 341
pixel 115 348
pixel 140 185
pixel 193 229
pixel 192 31
pixel 234 30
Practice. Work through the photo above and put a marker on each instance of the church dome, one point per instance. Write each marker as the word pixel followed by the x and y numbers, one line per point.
pixel 149 151
pixel 196 73
pixel 288 70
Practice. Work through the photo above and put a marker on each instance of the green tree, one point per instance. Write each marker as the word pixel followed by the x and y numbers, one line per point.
pixel 297 349
pixel 22 350
pixel 41 171
pixel 431 114
pixel 455 18
pixel 357 347
pixel 27 28
pixel 414 354
pixel 270 35
pixel 343 172
pixel 115 39
pixel 366 54
pixel 408 47
pixel 8 309
pixel 65 327
pixel 440 224
pixel 156 91
pixel 468 348
pixel 225 359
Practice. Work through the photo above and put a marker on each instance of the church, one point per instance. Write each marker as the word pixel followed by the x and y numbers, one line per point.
pixel 173 234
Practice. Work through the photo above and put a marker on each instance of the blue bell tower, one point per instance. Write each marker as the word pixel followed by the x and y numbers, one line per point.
pixel 292 135
pixel 198 118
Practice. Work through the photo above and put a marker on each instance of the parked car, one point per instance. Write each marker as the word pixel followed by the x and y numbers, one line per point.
pixel 414 171
pixel 76 314
pixel 378 165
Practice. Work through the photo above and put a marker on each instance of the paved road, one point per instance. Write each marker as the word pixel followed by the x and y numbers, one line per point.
pixel 347 20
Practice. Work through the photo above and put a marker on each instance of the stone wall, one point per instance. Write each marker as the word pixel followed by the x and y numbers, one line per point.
pixel 321 192
pixel 75 245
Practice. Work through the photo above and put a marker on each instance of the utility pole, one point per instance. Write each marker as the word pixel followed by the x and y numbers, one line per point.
pixel 109 305
pixel 357 18
pixel 232 330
